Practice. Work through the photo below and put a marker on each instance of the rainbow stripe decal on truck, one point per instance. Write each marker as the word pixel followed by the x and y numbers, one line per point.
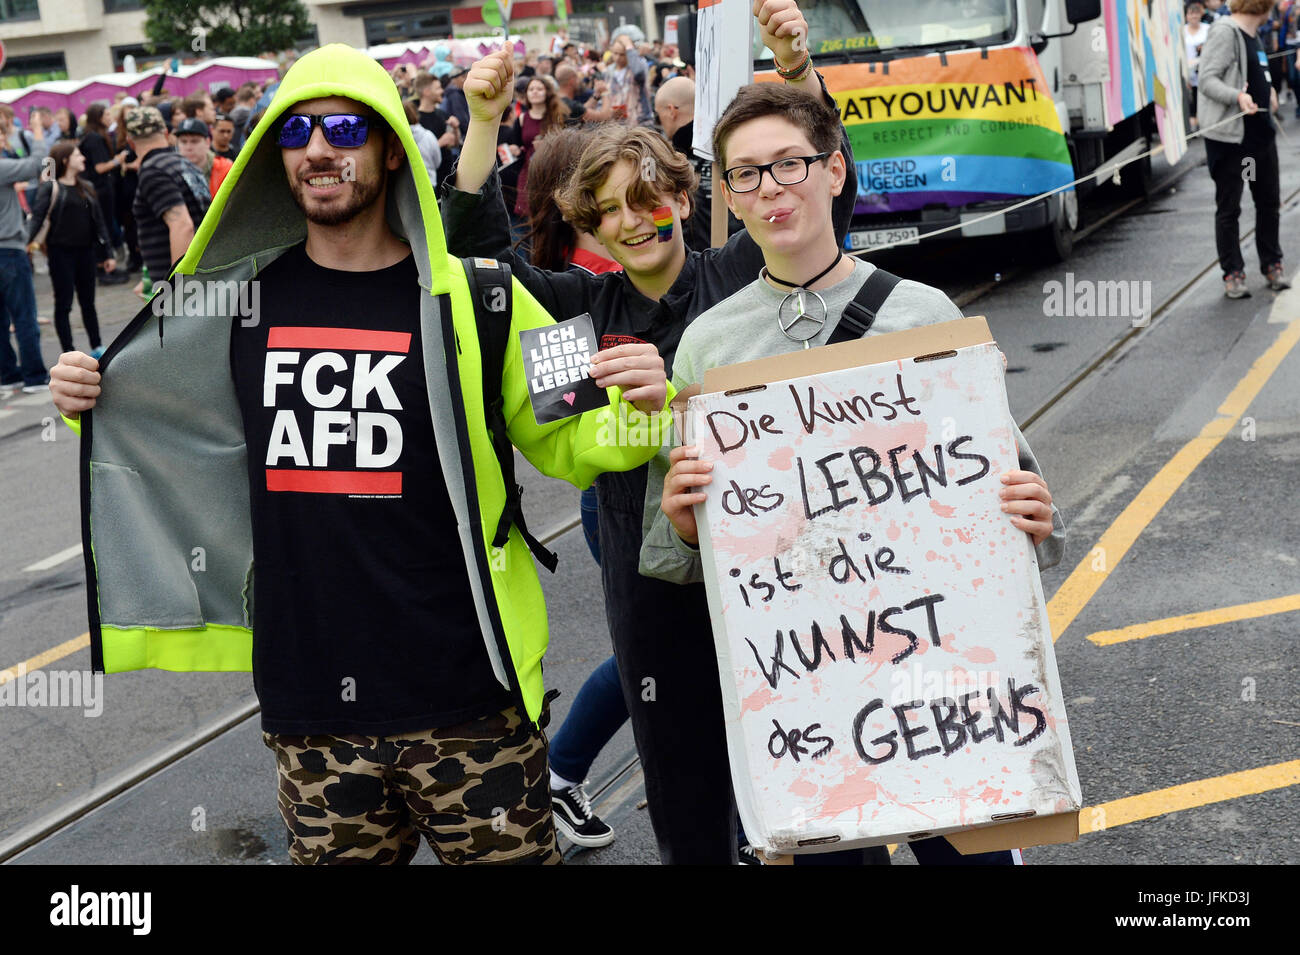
pixel 950 130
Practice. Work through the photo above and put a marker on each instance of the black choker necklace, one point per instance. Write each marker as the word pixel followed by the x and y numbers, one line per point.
pixel 812 281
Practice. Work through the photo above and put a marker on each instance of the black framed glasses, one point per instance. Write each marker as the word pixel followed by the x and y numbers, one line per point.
pixel 787 172
pixel 342 130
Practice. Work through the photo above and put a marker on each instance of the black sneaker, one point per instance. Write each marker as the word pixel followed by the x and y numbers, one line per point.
pixel 749 856
pixel 575 820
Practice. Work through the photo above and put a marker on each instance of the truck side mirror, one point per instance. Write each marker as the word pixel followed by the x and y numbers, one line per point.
pixel 1081 11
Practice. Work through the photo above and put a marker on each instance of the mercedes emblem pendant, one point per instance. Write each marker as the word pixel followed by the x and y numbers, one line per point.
pixel 801 315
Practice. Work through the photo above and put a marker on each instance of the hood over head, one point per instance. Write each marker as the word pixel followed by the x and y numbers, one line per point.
pixel 254 212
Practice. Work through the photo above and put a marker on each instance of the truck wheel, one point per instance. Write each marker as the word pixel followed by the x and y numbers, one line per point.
pixel 1054 243
pixel 1137 178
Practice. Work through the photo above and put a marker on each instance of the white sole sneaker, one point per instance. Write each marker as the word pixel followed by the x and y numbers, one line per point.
pixel 587 842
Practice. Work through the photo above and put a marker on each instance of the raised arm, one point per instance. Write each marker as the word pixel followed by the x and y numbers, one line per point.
pixel 474 217
pixel 489 88
pixel 784 28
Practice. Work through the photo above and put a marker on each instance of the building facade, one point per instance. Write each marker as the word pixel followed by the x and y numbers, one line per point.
pixel 74 39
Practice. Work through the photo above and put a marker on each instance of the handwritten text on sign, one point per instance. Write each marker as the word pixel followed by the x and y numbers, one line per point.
pixel 882 623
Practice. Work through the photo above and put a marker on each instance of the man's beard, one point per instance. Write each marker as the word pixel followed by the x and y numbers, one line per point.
pixel 362 196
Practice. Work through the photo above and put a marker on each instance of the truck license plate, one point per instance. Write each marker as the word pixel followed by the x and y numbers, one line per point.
pixel 877 237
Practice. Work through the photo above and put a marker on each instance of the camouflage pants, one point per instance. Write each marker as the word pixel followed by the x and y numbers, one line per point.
pixel 478 792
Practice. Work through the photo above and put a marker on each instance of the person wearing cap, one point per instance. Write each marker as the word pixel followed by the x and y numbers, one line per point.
pixel 194 142
pixel 168 202
pixel 381 588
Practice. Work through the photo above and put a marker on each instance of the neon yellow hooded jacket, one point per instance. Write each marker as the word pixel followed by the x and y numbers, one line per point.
pixel 165 501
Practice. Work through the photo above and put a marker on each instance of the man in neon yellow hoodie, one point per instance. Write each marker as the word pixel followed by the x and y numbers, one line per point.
pixel 306 395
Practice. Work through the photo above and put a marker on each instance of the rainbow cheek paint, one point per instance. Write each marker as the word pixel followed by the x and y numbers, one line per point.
pixel 663 217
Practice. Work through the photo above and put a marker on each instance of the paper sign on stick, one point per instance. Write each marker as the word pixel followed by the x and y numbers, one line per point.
pixel 722 64
pixel 883 644
pixel 557 359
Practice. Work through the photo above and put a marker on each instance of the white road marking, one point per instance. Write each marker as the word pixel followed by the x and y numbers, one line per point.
pixel 1118 486
pixel 55 560
pixel 1286 307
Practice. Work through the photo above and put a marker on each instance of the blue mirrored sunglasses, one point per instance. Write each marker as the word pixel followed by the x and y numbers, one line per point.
pixel 342 130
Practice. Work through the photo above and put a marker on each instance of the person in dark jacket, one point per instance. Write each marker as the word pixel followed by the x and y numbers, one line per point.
pixel 663 287
pixel 76 240
pixel 102 166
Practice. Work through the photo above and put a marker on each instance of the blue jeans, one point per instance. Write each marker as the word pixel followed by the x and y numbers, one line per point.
pixel 18 296
pixel 598 712
pixel 590 512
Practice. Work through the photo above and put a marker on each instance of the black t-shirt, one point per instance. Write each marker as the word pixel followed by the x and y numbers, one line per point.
pixel 576 111
pixel 435 122
pixel 95 148
pixel 72 224
pixel 364 620
pixel 1258 128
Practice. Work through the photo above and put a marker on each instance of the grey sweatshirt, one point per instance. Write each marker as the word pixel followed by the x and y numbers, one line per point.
pixel 743 328
pixel 13 228
pixel 1222 77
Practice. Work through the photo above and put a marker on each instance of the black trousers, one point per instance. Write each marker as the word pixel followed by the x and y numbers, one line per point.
pixel 666 663
pixel 1232 165
pixel 663 642
pixel 73 267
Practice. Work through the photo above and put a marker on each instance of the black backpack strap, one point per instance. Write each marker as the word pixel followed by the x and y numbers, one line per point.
pixel 490 288
pixel 860 314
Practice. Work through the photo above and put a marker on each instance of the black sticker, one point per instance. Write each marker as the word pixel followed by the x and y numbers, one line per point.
pixel 557 361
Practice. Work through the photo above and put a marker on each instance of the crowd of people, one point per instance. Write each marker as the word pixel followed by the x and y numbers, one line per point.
pixel 124 168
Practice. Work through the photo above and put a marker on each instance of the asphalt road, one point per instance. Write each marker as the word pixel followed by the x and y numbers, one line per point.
pixel 1148 715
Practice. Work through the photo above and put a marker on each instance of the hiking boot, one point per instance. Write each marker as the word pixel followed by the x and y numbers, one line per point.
pixel 1234 285
pixel 1276 277
pixel 575 820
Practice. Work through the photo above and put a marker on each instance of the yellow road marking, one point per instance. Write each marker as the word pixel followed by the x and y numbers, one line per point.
pixel 1084 581
pixel 64 649
pixel 1120 812
pixel 1192 621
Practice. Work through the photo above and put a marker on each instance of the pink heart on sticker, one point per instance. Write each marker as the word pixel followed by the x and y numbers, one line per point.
pixel 570 397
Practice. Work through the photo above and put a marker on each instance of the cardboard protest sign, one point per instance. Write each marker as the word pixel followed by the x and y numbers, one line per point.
pixel 882 638
pixel 557 361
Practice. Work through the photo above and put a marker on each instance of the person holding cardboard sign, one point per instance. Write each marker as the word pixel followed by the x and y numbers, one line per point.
pixel 782 174
pixel 632 191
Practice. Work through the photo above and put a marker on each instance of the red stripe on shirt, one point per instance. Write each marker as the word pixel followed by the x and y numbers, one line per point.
pixel 343 339
pixel 334 482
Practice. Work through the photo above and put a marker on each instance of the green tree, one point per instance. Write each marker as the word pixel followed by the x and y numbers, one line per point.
pixel 230 28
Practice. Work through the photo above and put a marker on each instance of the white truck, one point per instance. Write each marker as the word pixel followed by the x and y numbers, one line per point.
pixel 960 110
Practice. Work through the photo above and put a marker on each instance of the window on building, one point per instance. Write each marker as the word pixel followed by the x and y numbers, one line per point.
pixel 121 6
pixel 406 25
pixel 23 71
pixel 19 10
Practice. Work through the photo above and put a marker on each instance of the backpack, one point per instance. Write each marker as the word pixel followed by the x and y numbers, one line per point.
pixel 860 314
pixel 198 196
pixel 490 290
